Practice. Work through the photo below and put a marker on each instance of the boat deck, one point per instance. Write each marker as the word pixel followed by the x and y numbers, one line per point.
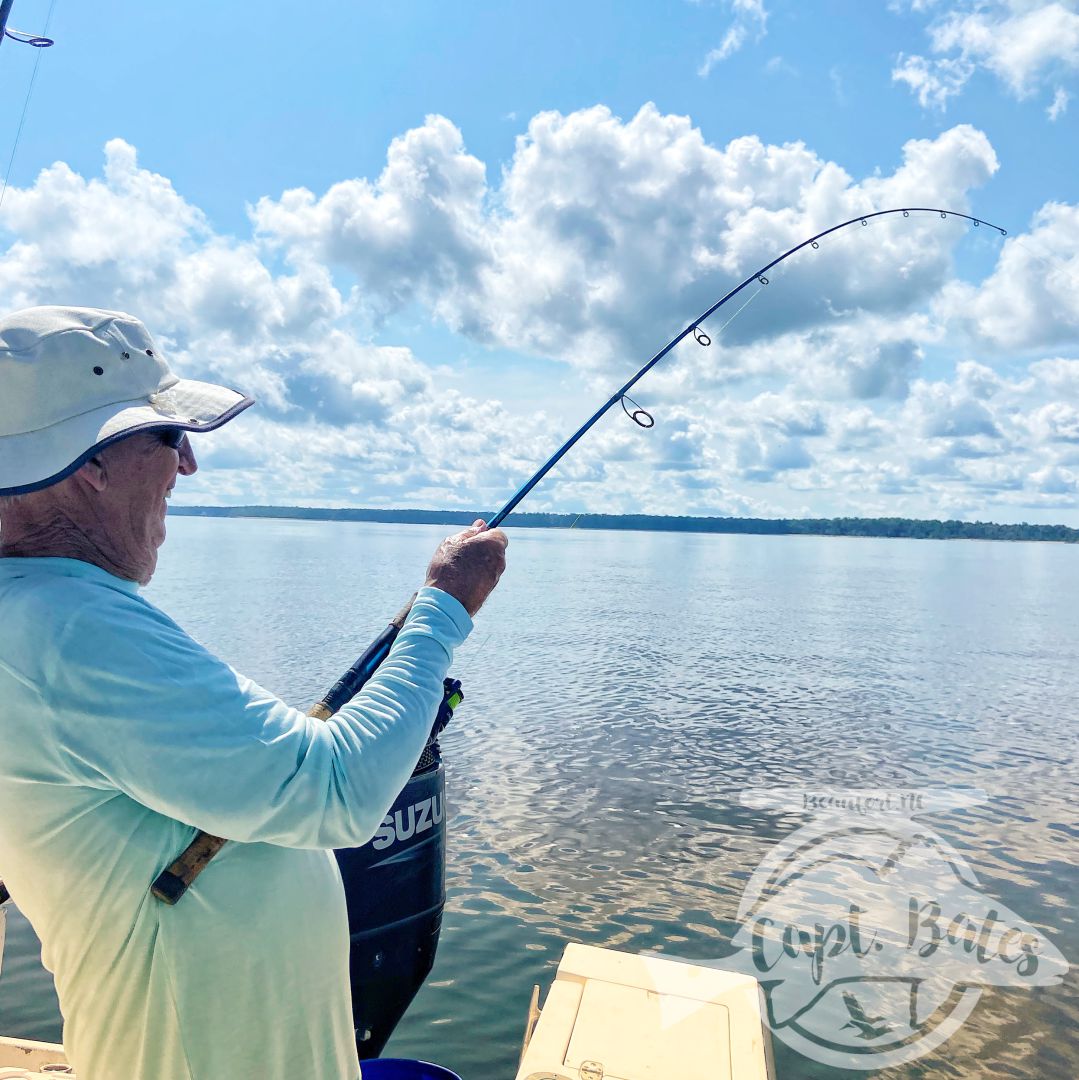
pixel 21 1059
pixel 608 1016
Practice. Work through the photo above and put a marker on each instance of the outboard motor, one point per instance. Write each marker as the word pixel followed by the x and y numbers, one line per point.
pixel 395 889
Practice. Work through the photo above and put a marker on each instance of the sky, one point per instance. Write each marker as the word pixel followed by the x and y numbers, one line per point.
pixel 431 239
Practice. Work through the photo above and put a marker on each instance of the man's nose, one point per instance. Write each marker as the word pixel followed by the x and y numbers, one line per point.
pixel 188 464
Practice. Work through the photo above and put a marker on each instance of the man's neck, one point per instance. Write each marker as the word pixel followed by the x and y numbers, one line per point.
pixel 55 538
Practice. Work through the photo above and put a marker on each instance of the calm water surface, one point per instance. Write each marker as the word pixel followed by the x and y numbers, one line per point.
pixel 625 689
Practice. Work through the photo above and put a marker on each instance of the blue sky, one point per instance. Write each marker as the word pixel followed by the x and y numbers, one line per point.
pixel 567 186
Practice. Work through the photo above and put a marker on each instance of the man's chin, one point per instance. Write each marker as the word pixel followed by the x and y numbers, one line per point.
pixel 147 571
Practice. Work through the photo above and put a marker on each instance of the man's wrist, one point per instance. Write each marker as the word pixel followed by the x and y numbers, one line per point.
pixel 447 604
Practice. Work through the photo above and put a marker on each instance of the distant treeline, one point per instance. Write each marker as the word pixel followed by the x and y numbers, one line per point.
pixel 903 527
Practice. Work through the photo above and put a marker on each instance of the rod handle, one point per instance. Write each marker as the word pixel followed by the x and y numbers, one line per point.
pixel 170 885
pixel 350 684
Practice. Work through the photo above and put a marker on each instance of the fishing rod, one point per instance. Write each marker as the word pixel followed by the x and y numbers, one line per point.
pixel 352 681
pixel 174 881
pixel 38 43
pixel 36 40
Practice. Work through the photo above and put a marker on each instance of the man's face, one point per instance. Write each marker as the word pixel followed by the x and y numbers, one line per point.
pixel 141 471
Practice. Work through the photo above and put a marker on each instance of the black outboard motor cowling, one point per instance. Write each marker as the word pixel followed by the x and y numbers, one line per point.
pixel 395 889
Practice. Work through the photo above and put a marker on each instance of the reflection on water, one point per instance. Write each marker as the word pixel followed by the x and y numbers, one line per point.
pixel 624 690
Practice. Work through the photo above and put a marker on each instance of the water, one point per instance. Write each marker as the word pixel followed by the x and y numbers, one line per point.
pixel 624 689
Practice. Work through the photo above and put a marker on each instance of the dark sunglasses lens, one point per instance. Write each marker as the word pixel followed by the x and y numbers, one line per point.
pixel 173 437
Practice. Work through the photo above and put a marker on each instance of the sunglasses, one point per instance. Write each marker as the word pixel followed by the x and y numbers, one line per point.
pixel 172 437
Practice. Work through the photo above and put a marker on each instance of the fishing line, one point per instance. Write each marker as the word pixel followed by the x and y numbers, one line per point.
pixel 38 42
pixel 742 308
pixel 641 416
pixel 469 658
pixel 1051 262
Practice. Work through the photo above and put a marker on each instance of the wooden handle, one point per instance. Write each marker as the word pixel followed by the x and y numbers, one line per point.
pixel 171 884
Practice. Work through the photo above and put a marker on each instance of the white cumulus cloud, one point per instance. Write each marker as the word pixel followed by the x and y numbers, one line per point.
pixel 604 234
pixel 1031 299
pixel 1023 43
pixel 862 379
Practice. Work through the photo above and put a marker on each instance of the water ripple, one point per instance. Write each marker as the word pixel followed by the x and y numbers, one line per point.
pixel 622 693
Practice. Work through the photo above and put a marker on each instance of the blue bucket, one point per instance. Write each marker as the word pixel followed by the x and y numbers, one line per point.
pixel 404 1069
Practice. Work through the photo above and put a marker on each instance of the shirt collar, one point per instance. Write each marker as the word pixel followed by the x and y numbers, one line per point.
pixel 11 568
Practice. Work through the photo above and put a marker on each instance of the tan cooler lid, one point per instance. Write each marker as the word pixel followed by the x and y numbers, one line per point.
pixel 617 1016
pixel 635 1034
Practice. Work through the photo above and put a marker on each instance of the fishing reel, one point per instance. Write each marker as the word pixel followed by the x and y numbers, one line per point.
pixel 452 696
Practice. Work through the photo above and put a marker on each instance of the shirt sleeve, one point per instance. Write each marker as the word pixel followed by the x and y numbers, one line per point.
pixel 138 706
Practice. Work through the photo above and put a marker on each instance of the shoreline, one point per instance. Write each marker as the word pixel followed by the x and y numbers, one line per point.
pixel 886 528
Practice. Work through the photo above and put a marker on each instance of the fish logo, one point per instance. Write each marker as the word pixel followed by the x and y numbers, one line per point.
pixel 873 939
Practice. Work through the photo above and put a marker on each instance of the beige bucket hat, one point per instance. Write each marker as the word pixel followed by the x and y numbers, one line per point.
pixel 74 380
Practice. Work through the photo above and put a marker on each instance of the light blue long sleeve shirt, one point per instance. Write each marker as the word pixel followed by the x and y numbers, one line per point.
pixel 120 736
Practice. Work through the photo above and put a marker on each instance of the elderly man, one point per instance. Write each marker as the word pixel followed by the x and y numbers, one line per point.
pixel 120 736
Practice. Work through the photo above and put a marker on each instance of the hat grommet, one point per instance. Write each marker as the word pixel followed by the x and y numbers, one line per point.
pixel 53 413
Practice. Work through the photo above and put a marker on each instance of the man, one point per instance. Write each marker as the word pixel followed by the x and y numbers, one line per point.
pixel 120 736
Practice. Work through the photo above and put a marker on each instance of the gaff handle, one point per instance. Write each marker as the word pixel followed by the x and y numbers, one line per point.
pixel 171 884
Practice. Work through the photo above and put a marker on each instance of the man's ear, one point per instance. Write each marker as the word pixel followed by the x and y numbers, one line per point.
pixel 94 473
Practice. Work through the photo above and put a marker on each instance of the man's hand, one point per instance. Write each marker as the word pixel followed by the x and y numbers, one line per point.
pixel 469 564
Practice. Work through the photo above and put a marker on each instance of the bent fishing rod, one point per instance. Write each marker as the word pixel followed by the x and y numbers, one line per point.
pixel 174 881
pixel 352 681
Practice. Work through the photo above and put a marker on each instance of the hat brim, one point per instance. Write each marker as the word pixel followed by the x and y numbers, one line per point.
pixel 33 460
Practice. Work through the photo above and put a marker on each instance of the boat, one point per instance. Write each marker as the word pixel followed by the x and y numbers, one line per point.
pixel 608 1015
